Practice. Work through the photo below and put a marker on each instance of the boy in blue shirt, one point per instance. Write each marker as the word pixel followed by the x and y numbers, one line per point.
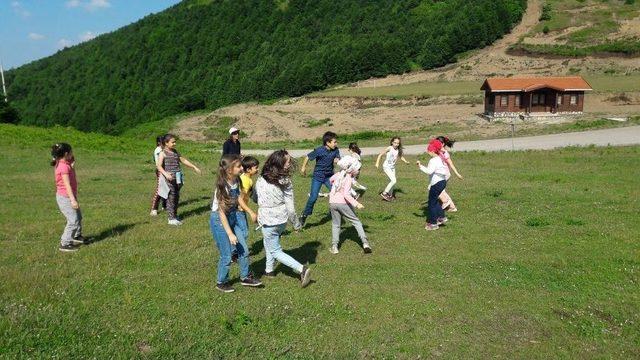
pixel 325 156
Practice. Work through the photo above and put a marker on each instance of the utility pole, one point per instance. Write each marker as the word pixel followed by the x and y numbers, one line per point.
pixel 4 89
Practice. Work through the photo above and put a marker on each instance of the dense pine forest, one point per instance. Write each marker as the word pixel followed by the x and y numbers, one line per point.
pixel 210 53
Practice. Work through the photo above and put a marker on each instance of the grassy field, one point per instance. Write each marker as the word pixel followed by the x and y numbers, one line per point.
pixel 599 82
pixel 586 27
pixel 540 262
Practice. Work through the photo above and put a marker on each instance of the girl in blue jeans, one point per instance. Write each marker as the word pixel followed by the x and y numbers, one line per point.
pixel 275 209
pixel 229 225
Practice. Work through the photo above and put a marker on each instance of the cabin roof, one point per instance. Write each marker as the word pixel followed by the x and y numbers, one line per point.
pixel 567 83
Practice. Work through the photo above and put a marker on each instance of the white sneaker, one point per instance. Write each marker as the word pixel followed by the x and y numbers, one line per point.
pixel 154 213
pixel 334 250
pixel 175 222
pixel 323 194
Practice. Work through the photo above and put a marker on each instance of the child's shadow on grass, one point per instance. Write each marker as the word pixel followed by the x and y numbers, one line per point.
pixel 324 220
pixel 192 200
pixel 195 212
pixel 111 232
pixel 305 254
pixel 351 234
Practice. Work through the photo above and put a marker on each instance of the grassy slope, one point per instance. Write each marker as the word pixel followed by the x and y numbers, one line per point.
pixel 541 261
pixel 600 83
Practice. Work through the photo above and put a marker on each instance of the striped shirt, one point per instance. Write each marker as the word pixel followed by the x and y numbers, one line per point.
pixel 171 161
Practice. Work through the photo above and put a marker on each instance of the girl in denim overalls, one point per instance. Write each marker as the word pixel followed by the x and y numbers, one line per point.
pixel 229 225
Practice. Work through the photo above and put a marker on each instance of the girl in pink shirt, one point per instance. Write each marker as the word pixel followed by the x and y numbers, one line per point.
pixel 341 203
pixel 67 196
pixel 447 201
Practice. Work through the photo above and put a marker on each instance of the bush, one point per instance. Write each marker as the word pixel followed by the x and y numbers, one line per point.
pixel 8 114
pixel 546 12
pixel 545 29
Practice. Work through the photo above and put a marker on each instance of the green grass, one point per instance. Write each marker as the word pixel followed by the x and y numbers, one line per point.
pixel 540 262
pixel 600 83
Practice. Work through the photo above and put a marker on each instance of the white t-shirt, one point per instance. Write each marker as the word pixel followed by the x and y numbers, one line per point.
pixel 392 158
pixel 436 169
pixel 214 203
pixel 156 154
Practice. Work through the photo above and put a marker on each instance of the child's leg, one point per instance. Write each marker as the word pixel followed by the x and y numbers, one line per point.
pixel 271 236
pixel 172 199
pixel 178 188
pixel 446 200
pixel 349 214
pixel 224 246
pixel 435 209
pixel 391 173
pixel 270 260
pixel 241 231
pixel 70 215
pixel 313 196
pixel 78 232
pixel 336 220
pixel 156 198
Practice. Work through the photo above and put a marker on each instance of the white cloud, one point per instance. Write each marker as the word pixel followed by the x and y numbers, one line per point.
pixel 63 43
pixel 87 35
pixel 19 9
pixel 35 36
pixel 89 5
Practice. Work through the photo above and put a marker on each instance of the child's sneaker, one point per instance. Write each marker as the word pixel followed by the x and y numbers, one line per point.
pixel 270 274
pixel 366 248
pixel 323 194
pixel 452 209
pixel 225 288
pixel 68 248
pixel 305 276
pixel 334 249
pixel 154 213
pixel 442 220
pixel 431 227
pixel 80 240
pixel 250 281
pixel 174 222
pixel 385 196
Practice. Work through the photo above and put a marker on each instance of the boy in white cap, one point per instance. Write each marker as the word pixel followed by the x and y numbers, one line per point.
pixel 232 145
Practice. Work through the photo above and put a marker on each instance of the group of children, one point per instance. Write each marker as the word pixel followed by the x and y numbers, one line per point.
pixel 273 192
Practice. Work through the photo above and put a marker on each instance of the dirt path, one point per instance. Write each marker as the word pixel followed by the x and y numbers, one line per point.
pixel 615 137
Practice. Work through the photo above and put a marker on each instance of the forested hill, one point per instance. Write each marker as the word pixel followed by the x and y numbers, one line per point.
pixel 208 53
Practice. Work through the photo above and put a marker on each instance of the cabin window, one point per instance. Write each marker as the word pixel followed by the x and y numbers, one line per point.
pixel 574 100
pixel 518 97
pixel 534 99
pixel 504 100
pixel 542 99
pixel 559 101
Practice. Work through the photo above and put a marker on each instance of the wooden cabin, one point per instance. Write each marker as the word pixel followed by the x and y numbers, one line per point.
pixel 534 96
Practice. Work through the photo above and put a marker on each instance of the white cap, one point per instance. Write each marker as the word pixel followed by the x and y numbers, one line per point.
pixel 232 130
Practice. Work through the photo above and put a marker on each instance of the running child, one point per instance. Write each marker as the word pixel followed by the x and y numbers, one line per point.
pixel 63 161
pixel 168 165
pixel 354 152
pixel 325 156
pixel 438 172
pixel 341 203
pixel 447 202
pixel 229 224
pixel 157 199
pixel 392 152
pixel 249 169
pixel 276 208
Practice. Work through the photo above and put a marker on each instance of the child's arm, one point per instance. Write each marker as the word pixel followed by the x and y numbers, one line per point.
pixel 424 169
pixel 346 192
pixel 167 175
pixel 303 169
pixel 244 206
pixel 380 156
pixel 453 167
pixel 404 160
pixel 189 164
pixel 225 224
pixel 291 207
pixel 67 186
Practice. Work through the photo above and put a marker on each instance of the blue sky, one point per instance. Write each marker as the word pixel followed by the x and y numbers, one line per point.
pixel 32 29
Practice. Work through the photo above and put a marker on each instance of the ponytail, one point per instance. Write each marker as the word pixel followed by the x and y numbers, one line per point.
pixel 59 151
